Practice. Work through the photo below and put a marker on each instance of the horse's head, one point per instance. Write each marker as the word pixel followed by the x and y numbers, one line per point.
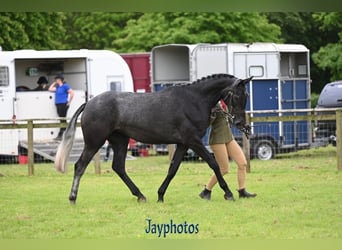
pixel 235 98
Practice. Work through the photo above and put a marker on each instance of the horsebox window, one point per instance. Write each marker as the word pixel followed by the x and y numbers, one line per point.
pixel 4 81
pixel 256 71
pixel 115 86
pixel 302 70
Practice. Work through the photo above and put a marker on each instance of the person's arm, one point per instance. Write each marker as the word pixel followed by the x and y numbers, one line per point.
pixel 71 96
pixel 52 87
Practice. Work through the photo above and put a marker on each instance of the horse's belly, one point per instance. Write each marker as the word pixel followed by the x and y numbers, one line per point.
pixel 153 136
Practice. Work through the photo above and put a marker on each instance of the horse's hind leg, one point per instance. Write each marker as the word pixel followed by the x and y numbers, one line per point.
pixel 120 143
pixel 176 161
pixel 80 167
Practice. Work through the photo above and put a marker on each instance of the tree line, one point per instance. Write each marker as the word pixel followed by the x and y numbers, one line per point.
pixel 139 32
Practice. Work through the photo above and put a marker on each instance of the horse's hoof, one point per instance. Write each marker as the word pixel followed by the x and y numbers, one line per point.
pixel 229 197
pixel 160 198
pixel 72 202
pixel 141 199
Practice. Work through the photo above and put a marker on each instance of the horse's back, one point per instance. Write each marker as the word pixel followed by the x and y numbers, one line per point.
pixel 164 100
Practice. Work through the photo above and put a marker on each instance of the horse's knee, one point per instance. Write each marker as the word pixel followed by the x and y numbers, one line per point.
pixel 79 169
pixel 116 169
pixel 119 169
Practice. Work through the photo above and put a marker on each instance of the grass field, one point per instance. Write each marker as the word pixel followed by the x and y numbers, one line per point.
pixel 299 197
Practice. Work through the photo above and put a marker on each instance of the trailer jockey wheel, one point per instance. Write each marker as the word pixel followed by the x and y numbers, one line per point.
pixel 263 150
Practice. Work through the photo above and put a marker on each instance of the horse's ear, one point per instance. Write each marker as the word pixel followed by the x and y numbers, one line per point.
pixel 242 81
pixel 245 81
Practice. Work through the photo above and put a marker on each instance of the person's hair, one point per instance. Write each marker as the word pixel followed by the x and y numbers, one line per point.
pixel 59 77
pixel 42 80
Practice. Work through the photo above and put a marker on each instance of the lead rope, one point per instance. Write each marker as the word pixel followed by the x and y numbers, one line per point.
pixel 229 117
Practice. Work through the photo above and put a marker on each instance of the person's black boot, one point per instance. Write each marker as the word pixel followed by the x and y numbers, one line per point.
pixel 205 194
pixel 244 194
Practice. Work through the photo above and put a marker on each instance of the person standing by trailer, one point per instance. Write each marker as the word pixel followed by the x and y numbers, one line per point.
pixel 63 97
pixel 223 145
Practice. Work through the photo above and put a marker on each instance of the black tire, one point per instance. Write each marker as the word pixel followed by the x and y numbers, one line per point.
pixel 263 150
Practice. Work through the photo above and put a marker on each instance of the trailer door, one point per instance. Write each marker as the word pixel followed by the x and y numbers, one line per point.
pixel 6 94
pixel 295 96
pixel 139 65
pixel 210 59
pixel 265 97
pixel 8 142
pixel 295 91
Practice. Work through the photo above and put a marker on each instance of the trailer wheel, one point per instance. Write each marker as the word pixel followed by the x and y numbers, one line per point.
pixel 263 150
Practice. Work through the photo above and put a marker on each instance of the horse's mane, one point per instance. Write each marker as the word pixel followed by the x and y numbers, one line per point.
pixel 207 78
pixel 214 76
pixel 201 80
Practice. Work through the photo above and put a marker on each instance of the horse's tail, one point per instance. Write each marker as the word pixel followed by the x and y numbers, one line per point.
pixel 65 146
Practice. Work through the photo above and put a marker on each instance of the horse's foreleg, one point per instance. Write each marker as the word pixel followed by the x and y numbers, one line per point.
pixel 176 160
pixel 205 155
pixel 118 165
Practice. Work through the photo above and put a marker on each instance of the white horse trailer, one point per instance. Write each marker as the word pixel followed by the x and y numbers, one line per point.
pixel 88 72
pixel 281 81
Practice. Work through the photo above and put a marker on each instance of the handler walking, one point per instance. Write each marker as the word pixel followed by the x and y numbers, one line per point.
pixel 223 145
pixel 63 97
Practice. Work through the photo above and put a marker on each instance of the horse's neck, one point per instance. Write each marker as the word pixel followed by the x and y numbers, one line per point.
pixel 211 91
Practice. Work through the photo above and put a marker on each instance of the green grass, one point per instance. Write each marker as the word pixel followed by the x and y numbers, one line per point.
pixel 299 197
